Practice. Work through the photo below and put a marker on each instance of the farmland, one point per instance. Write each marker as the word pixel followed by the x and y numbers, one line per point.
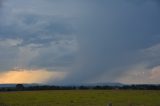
pixel 81 98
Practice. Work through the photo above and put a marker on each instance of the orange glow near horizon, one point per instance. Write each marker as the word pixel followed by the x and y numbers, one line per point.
pixel 29 76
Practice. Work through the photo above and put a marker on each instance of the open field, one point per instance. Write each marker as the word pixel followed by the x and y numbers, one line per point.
pixel 80 98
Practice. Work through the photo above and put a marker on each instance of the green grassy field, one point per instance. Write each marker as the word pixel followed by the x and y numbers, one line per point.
pixel 81 98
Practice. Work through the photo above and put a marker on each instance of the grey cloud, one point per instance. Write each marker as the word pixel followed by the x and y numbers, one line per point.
pixel 51 62
pixel 1 1
pixel 59 56
pixel 37 32
pixel 8 58
pixel 35 29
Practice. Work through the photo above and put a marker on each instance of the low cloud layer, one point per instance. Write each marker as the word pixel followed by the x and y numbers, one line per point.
pixel 141 75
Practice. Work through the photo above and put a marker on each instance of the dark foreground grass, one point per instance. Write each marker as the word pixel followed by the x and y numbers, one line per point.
pixel 81 98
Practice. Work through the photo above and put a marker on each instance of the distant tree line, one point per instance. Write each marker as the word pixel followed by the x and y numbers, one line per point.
pixel 20 87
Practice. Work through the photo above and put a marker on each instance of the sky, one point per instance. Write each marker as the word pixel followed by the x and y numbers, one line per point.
pixel 80 41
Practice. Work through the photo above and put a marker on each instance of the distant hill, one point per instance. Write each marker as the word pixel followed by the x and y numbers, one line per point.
pixel 93 84
pixel 7 85
pixel 105 84
pixel 82 84
pixel 102 84
pixel 14 85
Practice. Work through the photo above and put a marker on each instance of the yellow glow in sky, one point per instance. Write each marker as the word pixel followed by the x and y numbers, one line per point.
pixel 29 76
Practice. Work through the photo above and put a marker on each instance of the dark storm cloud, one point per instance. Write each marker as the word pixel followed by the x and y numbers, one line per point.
pixel 141 2
pixel 87 39
pixel 112 37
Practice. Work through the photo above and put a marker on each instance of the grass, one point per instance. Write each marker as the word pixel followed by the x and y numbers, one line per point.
pixel 81 98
